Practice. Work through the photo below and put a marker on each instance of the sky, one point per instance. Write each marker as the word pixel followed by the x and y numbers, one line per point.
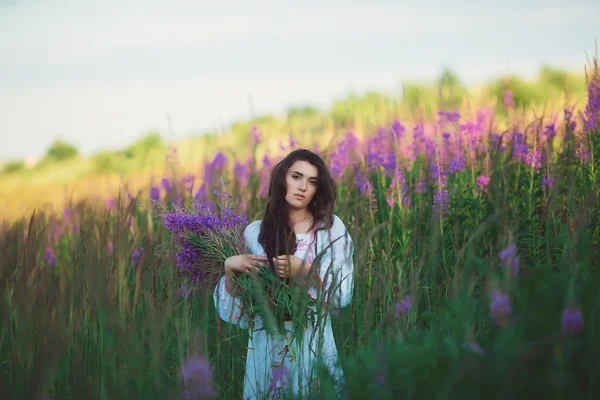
pixel 101 74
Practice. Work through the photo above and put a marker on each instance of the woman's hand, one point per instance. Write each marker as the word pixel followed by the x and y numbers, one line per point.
pixel 290 266
pixel 241 264
pixel 244 263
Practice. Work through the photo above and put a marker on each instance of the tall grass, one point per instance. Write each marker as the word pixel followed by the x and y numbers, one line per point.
pixel 84 317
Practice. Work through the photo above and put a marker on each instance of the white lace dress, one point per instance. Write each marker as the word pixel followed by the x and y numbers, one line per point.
pixel 268 354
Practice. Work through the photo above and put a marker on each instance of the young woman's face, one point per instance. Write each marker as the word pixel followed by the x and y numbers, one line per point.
pixel 301 184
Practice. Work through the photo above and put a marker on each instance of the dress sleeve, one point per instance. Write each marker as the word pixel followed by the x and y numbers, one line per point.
pixel 229 307
pixel 336 268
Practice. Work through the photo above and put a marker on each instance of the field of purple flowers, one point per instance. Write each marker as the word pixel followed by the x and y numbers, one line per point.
pixel 477 271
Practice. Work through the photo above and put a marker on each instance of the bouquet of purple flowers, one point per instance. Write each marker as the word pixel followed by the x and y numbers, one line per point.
pixel 202 239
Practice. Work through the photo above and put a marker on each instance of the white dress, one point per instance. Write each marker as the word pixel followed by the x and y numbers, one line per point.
pixel 267 352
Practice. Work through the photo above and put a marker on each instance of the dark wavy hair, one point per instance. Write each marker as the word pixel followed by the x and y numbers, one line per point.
pixel 276 235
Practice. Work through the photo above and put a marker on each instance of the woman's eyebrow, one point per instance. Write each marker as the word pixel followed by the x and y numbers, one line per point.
pixel 301 174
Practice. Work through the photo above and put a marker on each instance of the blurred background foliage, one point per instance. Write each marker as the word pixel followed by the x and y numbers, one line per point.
pixel 30 184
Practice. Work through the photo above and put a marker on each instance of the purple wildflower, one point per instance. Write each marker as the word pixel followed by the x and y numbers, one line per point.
pixel 50 257
pixel 508 98
pixel 154 193
pixel 403 307
pixel 398 129
pixel 534 159
pixel 188 181
pixel 509 257
pixel 196 376
pixel 549 132
pixel 457 164
pixel 279 377
pixel 219 161
pixel 166 184
pixel 571 322
pixel 255 134
pixel 583 154
pixel 67 212
pixel 500 307
pixel 363 183
pixel 448 116
pixel 389 200
pixel 548 182
pixel 241 173
pixel 109 203
pixel 482 181
pixel 440 201
pixel 592 110
pixel 135 255
pixel 111 247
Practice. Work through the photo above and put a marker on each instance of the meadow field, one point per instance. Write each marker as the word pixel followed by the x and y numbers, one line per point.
pixel 477 263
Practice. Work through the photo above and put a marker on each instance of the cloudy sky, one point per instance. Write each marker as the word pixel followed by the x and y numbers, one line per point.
pixel 102 73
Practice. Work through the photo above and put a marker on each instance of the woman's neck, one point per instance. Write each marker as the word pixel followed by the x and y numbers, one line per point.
pixel 300 218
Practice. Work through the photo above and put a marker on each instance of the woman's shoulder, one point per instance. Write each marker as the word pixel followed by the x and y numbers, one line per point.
pixel 252 229
pixel 337 225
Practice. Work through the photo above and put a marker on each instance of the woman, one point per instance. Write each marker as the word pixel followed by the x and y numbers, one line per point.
pixel 299 215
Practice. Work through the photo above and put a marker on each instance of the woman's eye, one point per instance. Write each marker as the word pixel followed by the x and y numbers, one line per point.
pixel 296 177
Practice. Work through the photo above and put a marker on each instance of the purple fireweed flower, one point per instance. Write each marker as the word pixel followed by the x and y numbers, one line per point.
pixel 448 116
pixel 363 183
pixel 549 132
pixel 50 257
pixel 497 142
pixel 188 182
pixel 255 134
pixel 154 193
pixel 279 377
pixel 583 154
pixel 457 164
pixel 135 255
pixel 166 184
pixel 482 181
pixel 389 200
pixel 440 202
pixel 534 159
pixel 219 161
pixel 403 307
pixel 570 122
pixel 500 307
pixel 520 147
pixel 109 204
pixel 508 98
pixel 548 182
pixel 111 247
pixel 242 173
pixel 196 376
pixel 592 109
pixel 67 212
pixel 182 223
pixel 344 155
pixel 509 257
pixel 185 293
pixel 398 129
pixel 421 187
pixel 571 321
